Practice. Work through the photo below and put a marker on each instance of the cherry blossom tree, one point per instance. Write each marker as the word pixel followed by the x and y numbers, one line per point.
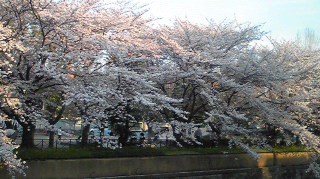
pixel 193 60
pixel 116 71
pixel 239 84
pixel 63 35
pixel 7 45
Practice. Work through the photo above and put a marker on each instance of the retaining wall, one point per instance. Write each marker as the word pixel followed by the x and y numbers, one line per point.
pixel 82 168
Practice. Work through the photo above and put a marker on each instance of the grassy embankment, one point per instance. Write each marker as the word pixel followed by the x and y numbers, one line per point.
pixel 77 153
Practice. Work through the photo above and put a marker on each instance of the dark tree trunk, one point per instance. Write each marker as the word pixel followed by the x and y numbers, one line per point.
pixel 216 129
pixel 28 136
pixel 51 139
pixel 272 134
pixel 101 134
pixel 85 135
pixel 52 122
pixel 124 134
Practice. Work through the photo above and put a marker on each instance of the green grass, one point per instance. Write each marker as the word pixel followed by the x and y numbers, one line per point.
pixel 30 154
pixel 201 151
pixel 290 149
pixel 91 152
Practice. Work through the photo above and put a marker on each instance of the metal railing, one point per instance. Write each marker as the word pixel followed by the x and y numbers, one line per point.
pixel 67 143
pixel 60 143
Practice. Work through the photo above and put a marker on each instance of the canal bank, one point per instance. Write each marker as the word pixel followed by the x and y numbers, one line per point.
pixel 162 165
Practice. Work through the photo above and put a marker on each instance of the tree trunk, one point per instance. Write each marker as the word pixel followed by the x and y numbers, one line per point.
pixel 85 135
pixel 28 136
pixel 216 129
pixel 124 134
pixel 272 136
pixel 51 139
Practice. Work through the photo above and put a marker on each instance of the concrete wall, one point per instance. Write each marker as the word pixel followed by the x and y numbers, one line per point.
pixel 81 168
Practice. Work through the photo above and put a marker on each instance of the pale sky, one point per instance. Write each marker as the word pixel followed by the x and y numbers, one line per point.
pixel 282 18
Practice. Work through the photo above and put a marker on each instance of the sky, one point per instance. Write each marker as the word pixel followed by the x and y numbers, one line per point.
pixel 282 19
